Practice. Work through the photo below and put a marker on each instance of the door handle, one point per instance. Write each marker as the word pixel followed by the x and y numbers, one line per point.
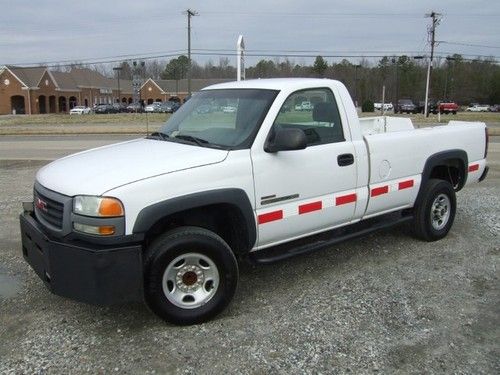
pixel 345 159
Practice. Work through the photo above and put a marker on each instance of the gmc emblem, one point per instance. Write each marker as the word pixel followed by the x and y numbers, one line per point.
pixel 41 205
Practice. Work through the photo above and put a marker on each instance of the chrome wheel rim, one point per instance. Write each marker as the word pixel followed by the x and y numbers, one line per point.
pixel 190 280
pixel 440 211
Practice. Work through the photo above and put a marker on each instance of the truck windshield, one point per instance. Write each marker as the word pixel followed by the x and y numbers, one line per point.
pixel 228 118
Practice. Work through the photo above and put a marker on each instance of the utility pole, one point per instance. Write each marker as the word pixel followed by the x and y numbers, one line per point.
pixel 436 18
pixel 190 13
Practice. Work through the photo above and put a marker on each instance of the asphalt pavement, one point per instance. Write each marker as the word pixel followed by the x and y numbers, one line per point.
pixel 50 147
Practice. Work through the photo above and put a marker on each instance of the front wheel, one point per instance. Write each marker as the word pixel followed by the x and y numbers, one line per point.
pixel 190 275
pixel 435 212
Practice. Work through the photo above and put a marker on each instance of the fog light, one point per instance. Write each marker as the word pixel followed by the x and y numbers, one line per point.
pixel 101 230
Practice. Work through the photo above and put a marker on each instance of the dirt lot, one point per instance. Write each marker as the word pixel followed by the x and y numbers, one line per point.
pixel 384 303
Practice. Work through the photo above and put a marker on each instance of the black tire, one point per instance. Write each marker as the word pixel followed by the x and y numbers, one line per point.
pixel 422 223
pixel 170 246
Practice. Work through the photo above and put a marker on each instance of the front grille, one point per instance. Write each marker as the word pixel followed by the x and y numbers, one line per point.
pixel 49 210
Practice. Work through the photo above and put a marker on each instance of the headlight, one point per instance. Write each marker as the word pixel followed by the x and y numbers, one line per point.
pixel 97 206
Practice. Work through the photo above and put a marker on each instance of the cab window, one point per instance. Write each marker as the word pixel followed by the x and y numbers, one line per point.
pixel 314 111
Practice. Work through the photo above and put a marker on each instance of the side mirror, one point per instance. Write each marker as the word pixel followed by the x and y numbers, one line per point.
pixel 287 140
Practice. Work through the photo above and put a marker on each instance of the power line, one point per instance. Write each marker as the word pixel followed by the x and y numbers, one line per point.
pixel 468 44
pixel 231 53
pixel 341 14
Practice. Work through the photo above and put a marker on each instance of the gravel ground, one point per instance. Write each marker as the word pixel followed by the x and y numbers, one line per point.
pixel 385 303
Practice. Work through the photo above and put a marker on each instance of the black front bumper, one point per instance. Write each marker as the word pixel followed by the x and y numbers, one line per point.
pixel 99 275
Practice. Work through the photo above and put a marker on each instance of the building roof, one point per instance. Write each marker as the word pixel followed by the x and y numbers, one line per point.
pixel 89 78
pixel 29 77
pixel 64 81
pixel 78 78
pixel 125 86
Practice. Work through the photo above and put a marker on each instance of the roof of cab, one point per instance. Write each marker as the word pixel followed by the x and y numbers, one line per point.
pixel 275 84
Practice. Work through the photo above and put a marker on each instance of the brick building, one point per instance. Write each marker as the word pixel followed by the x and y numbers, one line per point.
pixel 37 90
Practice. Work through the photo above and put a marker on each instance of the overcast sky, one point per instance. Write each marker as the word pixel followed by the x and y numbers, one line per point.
pixel 48 31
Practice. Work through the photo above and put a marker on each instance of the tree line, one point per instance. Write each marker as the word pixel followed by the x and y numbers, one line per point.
pixel 453 78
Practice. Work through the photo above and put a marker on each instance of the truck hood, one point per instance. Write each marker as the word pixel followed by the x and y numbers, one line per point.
pixel 95 171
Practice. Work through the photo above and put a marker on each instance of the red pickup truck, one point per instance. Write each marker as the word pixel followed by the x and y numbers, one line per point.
pixel 448 107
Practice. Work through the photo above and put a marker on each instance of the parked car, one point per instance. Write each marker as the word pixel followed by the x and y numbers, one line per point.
pixel 120 107
pixel 166 218
pixel 405 105
pixel 153 107
pixel 495 108
pixel 175 106
pixel 105 108
pixel 229 109
pixel 387 106
pixel 204 108
pixel 135 107
pixel 447 106
pixel 80 110
pixel 431 106
pixel 479 108
pixel 170 107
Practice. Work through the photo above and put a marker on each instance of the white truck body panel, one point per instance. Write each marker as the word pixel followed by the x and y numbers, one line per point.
pixel 384 124
pixel 93 172
pixel 234 171
pixel 389 157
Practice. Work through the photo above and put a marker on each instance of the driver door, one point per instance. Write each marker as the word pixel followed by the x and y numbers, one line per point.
pixel 300 192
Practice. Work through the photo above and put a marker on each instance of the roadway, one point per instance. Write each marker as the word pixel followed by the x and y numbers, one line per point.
pixel 50 147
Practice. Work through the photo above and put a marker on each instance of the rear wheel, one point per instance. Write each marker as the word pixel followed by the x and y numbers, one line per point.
pixel 190 275
pixel 434 214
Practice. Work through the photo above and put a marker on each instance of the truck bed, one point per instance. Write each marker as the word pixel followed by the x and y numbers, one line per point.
pixel 397 153
pixel 406 148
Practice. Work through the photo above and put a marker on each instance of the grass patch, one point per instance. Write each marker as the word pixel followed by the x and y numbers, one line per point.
pixel 63 119
pixel 487 117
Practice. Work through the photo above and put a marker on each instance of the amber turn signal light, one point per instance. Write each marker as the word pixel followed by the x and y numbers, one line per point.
pixel 110 207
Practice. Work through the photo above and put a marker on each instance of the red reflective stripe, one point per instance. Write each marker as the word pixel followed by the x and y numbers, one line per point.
pixel 309 207
pixel 270 216
pixel 344 199
pixel 379 191
pixel 473 167
pixel 405 184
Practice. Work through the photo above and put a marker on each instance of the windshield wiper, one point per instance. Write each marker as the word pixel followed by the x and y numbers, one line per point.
pixel 199 141
pixel 158 135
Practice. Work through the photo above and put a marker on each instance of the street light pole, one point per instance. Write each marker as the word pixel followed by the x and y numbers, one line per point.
pixel 117 69
pixel 427 84
pixel 448 59
pixel 396 64
pixel 356 83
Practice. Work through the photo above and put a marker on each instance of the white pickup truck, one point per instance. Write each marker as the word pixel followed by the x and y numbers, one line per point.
pixel 164 219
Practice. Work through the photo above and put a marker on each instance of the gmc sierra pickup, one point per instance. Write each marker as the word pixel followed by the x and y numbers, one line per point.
pixel 164 219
